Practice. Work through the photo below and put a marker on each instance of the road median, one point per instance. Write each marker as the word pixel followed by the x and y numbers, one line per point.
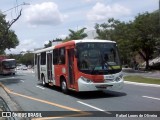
pixel 141 80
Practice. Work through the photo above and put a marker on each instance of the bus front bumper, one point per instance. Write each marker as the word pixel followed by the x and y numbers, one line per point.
pixel 10 71
pixel 84 86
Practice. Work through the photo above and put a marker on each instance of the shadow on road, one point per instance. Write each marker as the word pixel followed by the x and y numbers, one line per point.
pixel 96 94
pixel 10 79
pixel 88 95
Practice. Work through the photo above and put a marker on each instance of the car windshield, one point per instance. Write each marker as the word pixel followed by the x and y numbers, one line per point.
pixel 98 58
pixel 9 64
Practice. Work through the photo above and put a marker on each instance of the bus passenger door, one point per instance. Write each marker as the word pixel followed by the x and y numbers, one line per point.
pixel 70 53
pixel 38 66
pixel 49 66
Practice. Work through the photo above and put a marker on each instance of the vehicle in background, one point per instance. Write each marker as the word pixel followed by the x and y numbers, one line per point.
pixel 24 67
pixel 18 67
pixel 21 67
pixel 80 65
pixel 7 66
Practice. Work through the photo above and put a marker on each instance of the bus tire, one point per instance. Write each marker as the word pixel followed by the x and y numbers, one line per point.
pixel 64 87
pixel 43 81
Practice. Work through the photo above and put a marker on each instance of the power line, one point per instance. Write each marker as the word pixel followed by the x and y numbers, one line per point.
pixel 16 7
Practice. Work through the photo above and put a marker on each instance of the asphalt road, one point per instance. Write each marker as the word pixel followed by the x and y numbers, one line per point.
pixel 30 95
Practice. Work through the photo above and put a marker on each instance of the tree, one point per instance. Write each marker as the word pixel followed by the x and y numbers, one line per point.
pixel 49 44
pixel 117 31
pixel 76 35
pixel 8 38
pixel 27 59
pixel 138 36
pixel 145 35
pixel 105 31
pixel 17 57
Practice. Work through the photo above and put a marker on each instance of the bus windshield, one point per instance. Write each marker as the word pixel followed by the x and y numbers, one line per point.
pixel 9 64
pixel 98 58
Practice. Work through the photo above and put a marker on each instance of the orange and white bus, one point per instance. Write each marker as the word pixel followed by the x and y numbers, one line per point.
pixel 80 65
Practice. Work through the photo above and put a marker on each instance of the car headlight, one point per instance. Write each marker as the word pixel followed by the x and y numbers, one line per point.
pixel 86 80
pixel 119 78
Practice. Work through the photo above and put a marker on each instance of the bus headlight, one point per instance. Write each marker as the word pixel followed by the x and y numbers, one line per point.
pixel 86 80
pixel 119 78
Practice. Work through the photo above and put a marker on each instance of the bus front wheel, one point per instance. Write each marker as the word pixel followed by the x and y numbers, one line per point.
pixel 64 86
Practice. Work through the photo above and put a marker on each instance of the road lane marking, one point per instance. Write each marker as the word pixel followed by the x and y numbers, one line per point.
pixel 40 87
pixel 21 80
pixel 142 84
pixel 5 88
pixel 7 78
pixel 81 113
pixel 151 97
pixel 94 107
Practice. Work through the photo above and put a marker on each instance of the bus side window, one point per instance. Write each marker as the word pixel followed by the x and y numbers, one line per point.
pixel 35 58
pixel 59 56
pixel 43 58
pixel 55 57
pixel 62 55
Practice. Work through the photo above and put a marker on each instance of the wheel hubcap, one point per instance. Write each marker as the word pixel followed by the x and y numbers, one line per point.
pixel 43 81
pixel 63 85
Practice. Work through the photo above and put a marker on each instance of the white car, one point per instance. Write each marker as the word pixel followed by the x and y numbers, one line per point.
pixel 24 67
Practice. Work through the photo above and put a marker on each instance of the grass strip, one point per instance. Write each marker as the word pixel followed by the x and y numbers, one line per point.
pixel 141 79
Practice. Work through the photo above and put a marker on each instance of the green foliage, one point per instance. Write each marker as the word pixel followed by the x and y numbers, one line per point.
pixel 139 36
pixel 8 38
pixel 26 59
pixel 105 31
pixel 119 32
pixel 145 35
pixel 49 44
pixel 141 79
pixel 76 35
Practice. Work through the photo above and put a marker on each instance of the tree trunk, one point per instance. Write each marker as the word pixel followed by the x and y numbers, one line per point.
pixel 147 64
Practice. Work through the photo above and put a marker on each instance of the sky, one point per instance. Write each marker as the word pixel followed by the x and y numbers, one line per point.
pixel 44 20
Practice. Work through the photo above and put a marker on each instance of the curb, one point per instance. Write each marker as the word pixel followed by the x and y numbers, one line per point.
pixel 4 93
pixel 142 84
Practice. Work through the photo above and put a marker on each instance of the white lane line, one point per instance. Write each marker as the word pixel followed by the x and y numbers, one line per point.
pixel 142 84
pixel 151 97
pixel 94 107
pixel 40 87
pixel 21 80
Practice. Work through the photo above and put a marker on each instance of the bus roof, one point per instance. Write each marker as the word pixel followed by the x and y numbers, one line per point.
pixel 93 40
pixel 73 42
pixel 8 59
pixel 44 49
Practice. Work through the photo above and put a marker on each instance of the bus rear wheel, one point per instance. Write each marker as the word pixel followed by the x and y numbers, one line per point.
pixel 64 86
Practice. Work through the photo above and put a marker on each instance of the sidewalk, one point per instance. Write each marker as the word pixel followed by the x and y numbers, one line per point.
pixel 7 104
